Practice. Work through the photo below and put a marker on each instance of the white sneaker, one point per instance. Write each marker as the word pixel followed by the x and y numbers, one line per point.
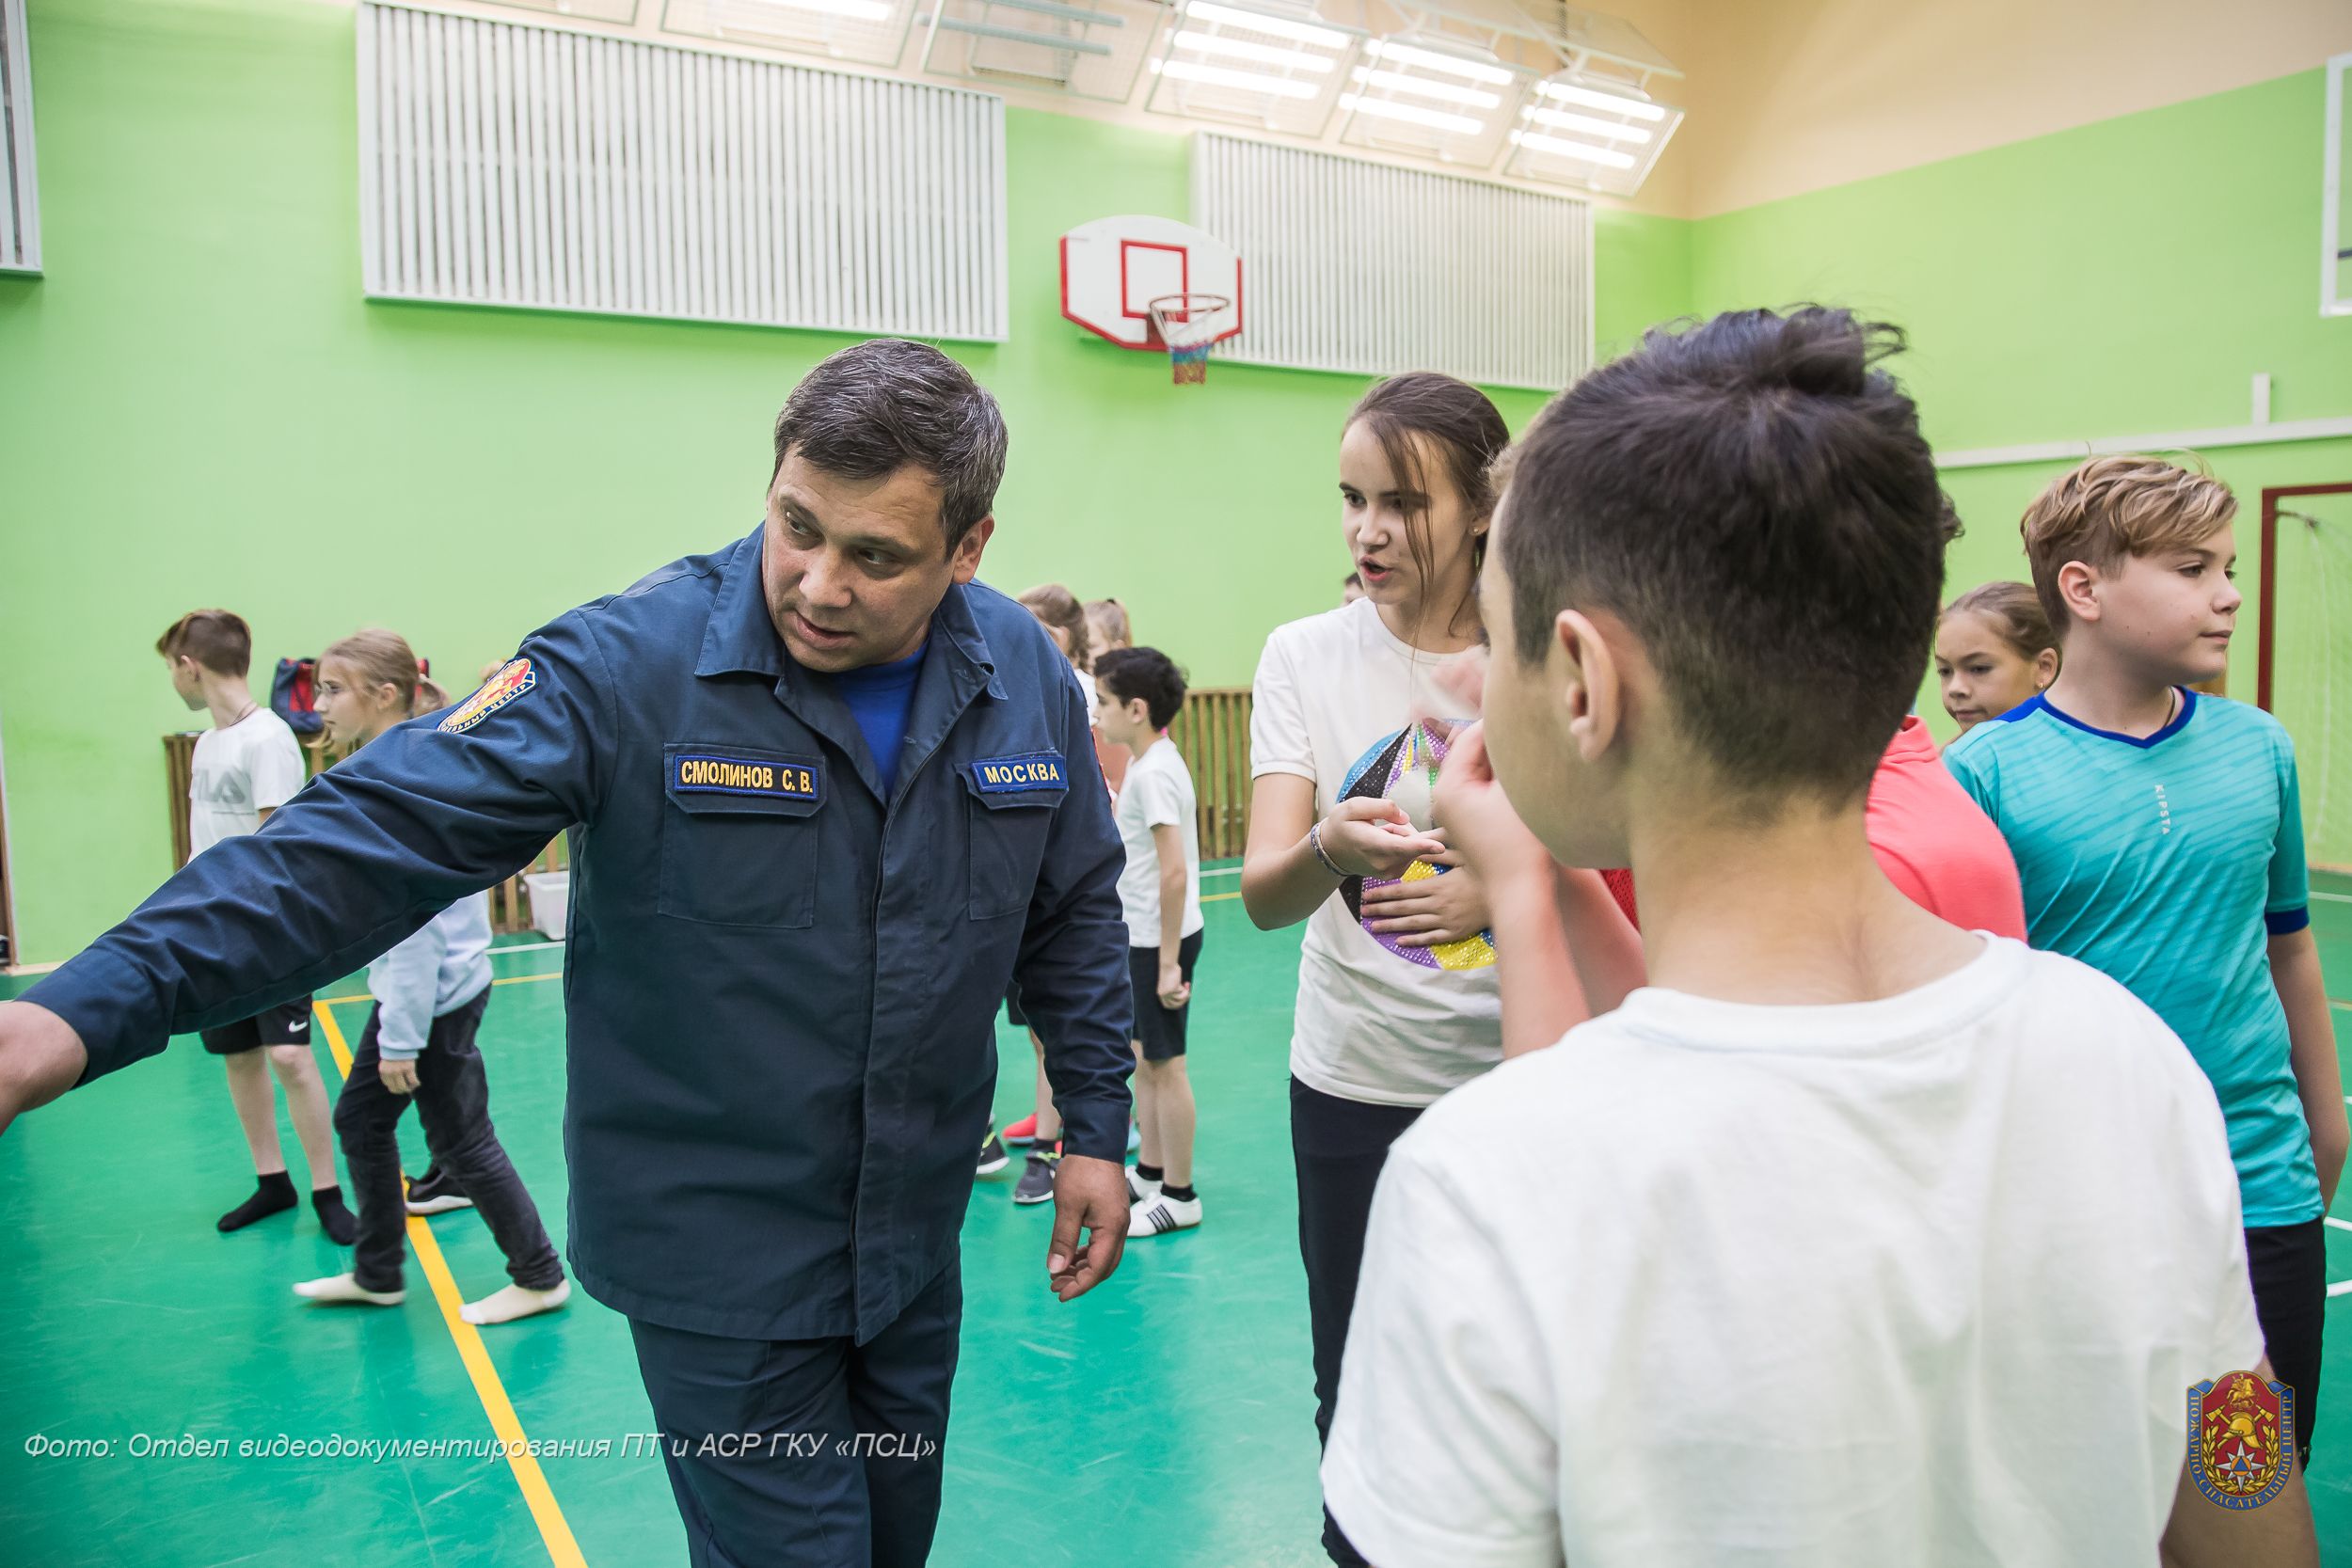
pixel 1159 1214
pixel 1140 1189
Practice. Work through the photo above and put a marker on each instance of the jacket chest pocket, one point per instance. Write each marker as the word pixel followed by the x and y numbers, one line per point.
pixel 738 846
pixel 1012 806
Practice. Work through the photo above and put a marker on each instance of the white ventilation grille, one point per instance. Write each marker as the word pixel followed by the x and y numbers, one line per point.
pixel 20 203
pixel 503 163
pixel 1370 270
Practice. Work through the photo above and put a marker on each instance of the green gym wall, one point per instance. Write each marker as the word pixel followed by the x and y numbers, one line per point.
pixel 197 408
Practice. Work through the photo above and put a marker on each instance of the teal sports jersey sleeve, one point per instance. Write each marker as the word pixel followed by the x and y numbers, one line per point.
pixel 1971 764
pixel 2288 908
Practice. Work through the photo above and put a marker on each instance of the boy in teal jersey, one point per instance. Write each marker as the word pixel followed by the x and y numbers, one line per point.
pixel 2158 834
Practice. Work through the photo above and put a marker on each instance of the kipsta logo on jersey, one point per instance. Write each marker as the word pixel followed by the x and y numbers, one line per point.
pixel 2240 1430
pixel 513 678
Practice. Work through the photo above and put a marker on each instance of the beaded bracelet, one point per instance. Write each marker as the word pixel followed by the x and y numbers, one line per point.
pixel 1314 842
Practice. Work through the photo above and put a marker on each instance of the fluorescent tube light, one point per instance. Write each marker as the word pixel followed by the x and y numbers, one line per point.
pixel 1382 108
pixel 1606 157
pixel 1453 65
pixel 1281 26
pixel 1560 119
pixel 1633 107
pixel 1263 54
pixel 1444 92
pixel 857 10
pixel 1244 81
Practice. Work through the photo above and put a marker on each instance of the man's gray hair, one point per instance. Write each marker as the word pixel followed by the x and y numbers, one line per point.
pixel 875 408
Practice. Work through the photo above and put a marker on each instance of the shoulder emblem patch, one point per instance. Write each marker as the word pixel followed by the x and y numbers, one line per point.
pixel 513 678
pixel 2241 1438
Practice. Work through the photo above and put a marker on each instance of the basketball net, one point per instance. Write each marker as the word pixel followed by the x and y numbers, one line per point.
pixel 1188 324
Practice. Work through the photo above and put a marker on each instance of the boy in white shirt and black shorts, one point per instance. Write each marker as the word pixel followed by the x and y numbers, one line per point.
pixel 1138 694
pixel 246 766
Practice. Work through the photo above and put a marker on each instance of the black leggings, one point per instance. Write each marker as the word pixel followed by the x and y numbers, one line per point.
pixel 1339 1145
pixel 2288 1265
pixel 452 1100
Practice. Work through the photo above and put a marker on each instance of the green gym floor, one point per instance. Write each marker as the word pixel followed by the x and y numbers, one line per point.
pixel 1164 1420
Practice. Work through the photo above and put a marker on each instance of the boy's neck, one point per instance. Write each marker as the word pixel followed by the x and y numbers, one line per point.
pixel 2107 693
pixel 228 698
pixel 1150 738
pixel 1792 912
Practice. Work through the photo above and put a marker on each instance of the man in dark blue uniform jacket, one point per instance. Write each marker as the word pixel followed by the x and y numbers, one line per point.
pixel 827 796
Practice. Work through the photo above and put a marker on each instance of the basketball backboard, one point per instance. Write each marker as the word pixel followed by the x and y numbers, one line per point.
pixel 1112 269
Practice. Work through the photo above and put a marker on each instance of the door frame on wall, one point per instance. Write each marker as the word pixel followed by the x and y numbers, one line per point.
pixel 9 956
pixel 2266 634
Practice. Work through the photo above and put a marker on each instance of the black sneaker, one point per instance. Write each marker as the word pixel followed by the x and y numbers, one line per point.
pixel 435 1192
pixel 992 1156
pixel 1037 1183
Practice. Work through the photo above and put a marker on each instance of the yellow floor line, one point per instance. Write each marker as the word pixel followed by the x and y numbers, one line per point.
pixel 1213 897
pixel 501 980
pixel 561 1548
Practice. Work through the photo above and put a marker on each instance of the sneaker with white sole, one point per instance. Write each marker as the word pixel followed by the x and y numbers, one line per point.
pixel 1162 1214
pixel 434 1193
pixel 1037 1183
pixel 992 1156
pixel 1140 1189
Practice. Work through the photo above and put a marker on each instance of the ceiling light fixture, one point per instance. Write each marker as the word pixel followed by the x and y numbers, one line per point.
pixel 1247 81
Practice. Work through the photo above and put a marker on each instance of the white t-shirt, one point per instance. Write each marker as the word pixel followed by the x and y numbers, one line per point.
pixel 253 766
pixel 1158 792
pixel 1337 696
pixel 1921 1281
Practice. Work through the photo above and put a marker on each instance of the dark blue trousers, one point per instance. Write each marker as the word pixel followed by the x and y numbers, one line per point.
pixel 812 1453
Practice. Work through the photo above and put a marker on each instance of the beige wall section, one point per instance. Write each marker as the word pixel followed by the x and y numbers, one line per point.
pixel 1792 95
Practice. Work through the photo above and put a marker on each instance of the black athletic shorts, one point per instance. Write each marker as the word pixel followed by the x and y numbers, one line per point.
pixel 289 1024
pixel 1161 1030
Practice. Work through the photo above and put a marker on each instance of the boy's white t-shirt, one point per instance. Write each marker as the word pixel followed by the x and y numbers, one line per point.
pixel 1921 1281
pixel 1333 691
pixel 1158 791
pixel 253 766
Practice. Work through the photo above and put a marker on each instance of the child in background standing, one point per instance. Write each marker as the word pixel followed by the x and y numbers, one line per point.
pixel 1106 630
pixel 1993 650
pixel 1065 620
pixel 2159 837
pixel 248 765
pixel 1107 627
pixel 431 992
pixel 1141 691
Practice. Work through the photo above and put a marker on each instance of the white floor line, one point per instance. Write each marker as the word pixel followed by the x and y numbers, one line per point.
pixel 2331 897
pixel 2339 1225
pixel 2341 1288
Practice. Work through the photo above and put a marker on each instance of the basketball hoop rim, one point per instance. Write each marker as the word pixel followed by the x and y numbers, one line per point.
pixel 1164 309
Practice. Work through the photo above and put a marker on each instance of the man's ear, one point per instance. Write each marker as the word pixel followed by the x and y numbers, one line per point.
pixel 1591 687
pixel 963 561
pixel 2078 591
